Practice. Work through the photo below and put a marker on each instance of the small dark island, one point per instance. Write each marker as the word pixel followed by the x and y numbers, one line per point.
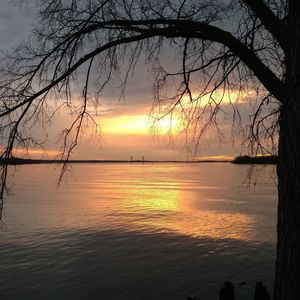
pixel 263 160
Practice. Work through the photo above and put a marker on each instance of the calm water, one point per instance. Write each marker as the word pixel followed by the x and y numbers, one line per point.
pixel 137 231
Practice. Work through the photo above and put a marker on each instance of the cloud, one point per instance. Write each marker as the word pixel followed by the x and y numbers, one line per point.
pixel 129 116
pixel 15 23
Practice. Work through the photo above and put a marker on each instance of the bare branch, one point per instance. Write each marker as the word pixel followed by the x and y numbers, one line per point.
pixel 272 23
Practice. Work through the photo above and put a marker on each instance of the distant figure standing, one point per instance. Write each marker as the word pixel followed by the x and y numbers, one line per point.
pixel 227 291
pixel 261 292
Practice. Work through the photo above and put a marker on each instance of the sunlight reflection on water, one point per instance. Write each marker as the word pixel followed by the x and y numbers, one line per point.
pixel 119 231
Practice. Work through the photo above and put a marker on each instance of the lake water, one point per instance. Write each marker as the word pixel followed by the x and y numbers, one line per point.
pixel 137 231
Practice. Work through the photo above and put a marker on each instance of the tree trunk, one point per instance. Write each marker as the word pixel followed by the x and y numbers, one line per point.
pixel 287 281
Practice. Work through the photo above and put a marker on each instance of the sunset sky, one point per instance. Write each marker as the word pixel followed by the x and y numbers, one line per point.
pixel 124 126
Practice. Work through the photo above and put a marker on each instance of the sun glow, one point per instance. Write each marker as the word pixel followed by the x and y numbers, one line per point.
pixel 217 97
pixel 35 153
pixel 158 123
pixel 138 125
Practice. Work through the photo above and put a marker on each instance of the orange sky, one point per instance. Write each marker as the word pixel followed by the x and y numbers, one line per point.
pixel 125 126
pixel 126 129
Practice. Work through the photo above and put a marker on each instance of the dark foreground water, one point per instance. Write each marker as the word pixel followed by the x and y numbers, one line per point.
pixel 127 231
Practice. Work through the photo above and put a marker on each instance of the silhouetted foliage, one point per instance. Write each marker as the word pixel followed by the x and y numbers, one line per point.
pixel 261 292
pixel 227 291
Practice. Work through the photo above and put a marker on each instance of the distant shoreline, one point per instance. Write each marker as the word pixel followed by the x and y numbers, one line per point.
pixel 25 161
pixel 238 160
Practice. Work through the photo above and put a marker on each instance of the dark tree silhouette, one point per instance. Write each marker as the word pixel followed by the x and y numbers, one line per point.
pixel 221 45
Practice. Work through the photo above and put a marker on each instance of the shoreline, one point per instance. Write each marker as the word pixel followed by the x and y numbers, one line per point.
pixel 22 161
pixel 249 160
